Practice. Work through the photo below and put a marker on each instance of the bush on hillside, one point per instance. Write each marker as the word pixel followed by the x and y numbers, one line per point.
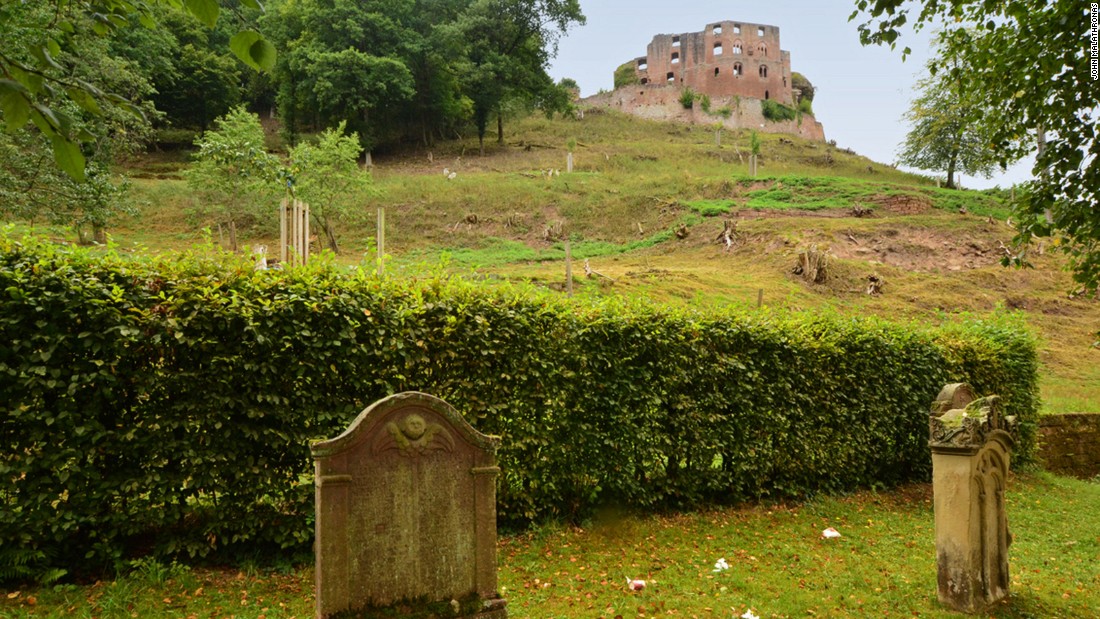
pixel 777 112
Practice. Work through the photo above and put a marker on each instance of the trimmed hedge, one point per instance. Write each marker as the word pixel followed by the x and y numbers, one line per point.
pixel 167 407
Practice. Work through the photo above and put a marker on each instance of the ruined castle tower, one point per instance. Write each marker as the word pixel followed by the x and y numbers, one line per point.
pixel 726 59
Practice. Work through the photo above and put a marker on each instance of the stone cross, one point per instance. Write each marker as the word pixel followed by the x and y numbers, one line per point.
pixel 406 514
pixel 970 441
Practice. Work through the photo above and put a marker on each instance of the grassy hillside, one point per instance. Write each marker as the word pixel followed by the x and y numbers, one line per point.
pixel 637 183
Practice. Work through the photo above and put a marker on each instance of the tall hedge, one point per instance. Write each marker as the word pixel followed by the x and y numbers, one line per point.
pixel 166 407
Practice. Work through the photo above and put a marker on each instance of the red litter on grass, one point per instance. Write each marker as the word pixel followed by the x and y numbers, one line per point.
pixel 635 585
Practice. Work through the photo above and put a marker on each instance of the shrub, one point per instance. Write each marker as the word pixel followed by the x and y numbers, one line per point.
pixel 625 75
pixel 806 106
pixel 704 103
pixel 166 408
pixel 687 98
pixel 776 112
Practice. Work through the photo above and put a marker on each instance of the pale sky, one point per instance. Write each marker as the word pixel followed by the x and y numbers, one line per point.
pixel 862 92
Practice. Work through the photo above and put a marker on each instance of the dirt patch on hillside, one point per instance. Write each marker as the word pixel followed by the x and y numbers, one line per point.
pixel 903 204
pixel 917 249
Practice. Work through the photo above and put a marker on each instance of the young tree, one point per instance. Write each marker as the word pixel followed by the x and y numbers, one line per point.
pixel 233 173
pixel 1030 60
pixel 327 177
pixel 951 129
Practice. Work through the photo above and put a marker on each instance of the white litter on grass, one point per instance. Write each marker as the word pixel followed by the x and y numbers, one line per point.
pixel 749 615
pixel 635 585
pixel 830 533
pixel 721 565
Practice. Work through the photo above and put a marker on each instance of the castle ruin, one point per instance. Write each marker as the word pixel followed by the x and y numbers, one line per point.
pixel 736 65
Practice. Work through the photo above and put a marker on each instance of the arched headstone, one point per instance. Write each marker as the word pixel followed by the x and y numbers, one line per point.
pixel 970 441
pixel 406 514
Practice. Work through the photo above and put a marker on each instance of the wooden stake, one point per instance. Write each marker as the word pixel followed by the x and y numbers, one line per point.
pixel 381 235
pixel 282 232
pixel 568 269
pixel 305 233
pixel 759 298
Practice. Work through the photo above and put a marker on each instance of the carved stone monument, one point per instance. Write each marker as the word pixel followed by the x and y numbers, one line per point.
pixel 970 441
pixel 406 514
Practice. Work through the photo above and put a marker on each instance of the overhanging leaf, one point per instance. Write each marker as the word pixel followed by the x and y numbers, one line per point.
pixel 253 49
pixel 206 10
pixel 68 157
pixel 14 104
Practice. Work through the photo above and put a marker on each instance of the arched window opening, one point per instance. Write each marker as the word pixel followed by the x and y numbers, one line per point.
pixel 717 49
pixel 717 28
pixel 675 57
pixel 643 64
pixel 737 47
pixel 738 69
pixel 763 49
pixel 766 95
pixel 763 71
pixel 715 71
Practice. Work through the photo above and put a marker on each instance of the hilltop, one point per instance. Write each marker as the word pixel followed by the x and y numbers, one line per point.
pixel 933 252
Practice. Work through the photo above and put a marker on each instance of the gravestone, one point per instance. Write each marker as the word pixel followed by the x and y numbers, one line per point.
pixel 406 514
pixel 970 441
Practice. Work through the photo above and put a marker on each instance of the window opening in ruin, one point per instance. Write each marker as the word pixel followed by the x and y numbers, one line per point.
pixel 671 76
pixel 717 28
pixel 766 95
pixel 645 80
pixel 715 71
pixel 676 41
pixel 643 64
pixel 784 82
pixel 675 57
pixel 737 47
pixel 763 71
pixel 737 28
pixel 737 69
pixel 717 49
pixel 763 49
pixel 760 31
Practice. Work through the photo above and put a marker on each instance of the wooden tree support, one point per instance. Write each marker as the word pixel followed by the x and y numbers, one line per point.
pixel 293 232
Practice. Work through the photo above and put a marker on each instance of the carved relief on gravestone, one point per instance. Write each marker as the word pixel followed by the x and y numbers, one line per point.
pixel 970 440
pixel 406 514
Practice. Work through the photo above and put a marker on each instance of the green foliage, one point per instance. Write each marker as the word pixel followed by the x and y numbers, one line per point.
pixel 754 143
pixel 799 82
pixel 39 84
pixel 813 193
pixel 806 106
pixel 326 175
pixel 777 112
pixel 687 98
pixel 999 43
pixel 167 408
pixel 710 208
pixel 704 103
pixel 625 75
pixel 233 173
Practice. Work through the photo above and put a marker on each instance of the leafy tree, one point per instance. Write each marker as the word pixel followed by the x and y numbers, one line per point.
pixel 508 44
pixel 952 129
pixel 327 177
pixel 1030 60
pixel 233 174
pixel 34 78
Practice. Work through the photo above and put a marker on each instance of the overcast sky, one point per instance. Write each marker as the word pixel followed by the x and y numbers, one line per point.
pixel 862 92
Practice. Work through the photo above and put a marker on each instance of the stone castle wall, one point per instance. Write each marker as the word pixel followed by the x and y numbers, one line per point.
pixel 736 64
pixel 726 59
pixel 663 103
pixel 1070 444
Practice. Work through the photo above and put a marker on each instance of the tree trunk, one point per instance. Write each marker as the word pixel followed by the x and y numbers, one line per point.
pixel 99 234
pixel 951 171
pixel 481 143
pixel 330 232
pixel 500 127
pixel 233 234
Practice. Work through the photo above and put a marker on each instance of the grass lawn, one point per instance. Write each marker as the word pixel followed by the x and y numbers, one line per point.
pixel 779 565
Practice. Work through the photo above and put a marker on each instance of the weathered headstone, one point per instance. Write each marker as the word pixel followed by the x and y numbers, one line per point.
pixel 970 441
pixel 406 514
